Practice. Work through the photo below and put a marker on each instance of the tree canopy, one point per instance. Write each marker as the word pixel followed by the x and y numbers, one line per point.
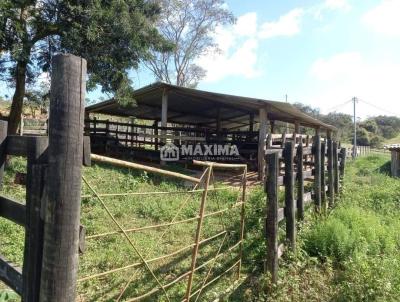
pixel 112 35
pixel 188 25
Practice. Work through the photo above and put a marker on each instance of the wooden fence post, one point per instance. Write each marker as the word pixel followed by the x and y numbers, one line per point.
pixel 3 155
pixel 300 181
pixel 290 207
pixel 317 172
pixel 331 192
pixel 336 167
pixel 323 176
pixel 36 170
pixel 271 228
pixel 343 153
pixel 63 184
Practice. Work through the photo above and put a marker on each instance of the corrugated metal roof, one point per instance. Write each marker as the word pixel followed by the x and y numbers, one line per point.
pixel 193 106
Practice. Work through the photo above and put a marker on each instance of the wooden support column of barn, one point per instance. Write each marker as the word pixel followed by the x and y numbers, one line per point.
pixel 164 114
pixel 296 131
pixel 263 118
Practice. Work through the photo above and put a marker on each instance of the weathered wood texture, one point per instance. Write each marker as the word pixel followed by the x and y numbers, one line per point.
pixel 3 147
pixel 323 175
pixel 63 188
pixel 317 171
pixel 335 168
pixel 11 275
pixel 36 170
pixel 331 189
pixel 395 163
pixel 271 188
pixel 274 178
pixel 300 181
pixel 12 210
pixel 290 208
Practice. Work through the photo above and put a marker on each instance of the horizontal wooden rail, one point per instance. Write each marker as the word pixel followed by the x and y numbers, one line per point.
pixel 13 210
pixel 131 165
pixel 11 275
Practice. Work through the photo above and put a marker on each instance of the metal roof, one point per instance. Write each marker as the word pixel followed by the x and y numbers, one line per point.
pixel 193 106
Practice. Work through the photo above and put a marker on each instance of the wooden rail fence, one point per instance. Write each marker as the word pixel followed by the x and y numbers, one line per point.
pixel 293 167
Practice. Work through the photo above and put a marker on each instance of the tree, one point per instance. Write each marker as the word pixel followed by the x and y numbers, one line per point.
pixel 188 25
pixel 113 36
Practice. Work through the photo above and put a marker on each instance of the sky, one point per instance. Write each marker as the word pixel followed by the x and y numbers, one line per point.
pixel 321 53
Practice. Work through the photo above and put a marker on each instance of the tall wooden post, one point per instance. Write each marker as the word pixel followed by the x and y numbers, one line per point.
pixel 262 135
pixel 296 131
pixel 317 171
pixel 335 168
pixel 323 182
pixel 36 170
pixel 271 229
pixel 63 187
pixel 164 114
pixel 251 122
pixel 343 153
pixel 290 207
pixel 3 156
pixel 331 190
pixel 300 182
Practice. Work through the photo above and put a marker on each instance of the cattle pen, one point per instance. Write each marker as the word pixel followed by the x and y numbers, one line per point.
pixel 85 240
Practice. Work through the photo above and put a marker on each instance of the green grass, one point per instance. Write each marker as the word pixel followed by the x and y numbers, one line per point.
pixel 114 251
pixel 351 254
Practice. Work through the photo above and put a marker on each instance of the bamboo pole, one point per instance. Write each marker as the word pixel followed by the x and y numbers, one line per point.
pixel 198 234
pixel 130 165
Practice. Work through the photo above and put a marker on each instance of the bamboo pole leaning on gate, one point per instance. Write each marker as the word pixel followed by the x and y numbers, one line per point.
pixel 271 227
pixel 198 235
pixel 290 208
pixel 63 182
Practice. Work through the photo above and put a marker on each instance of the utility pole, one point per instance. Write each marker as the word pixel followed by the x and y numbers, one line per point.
pixel 355 129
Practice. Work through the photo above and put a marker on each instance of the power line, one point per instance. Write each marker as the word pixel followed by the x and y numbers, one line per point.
pixel 377 107
pixel 340 105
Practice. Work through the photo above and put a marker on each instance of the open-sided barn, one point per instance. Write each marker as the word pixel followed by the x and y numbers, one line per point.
pixel 190 116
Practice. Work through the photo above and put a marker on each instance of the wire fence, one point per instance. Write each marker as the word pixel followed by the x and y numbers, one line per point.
pixel 171 258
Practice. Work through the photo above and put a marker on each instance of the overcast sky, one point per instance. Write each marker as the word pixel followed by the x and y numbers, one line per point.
pixel 320 53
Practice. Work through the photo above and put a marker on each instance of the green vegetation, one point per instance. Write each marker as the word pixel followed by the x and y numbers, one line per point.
pixel 349 255
pixel 374 131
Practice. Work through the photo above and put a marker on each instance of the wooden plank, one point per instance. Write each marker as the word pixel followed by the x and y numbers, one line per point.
pixel 36 174
pixel 335 168
pixel 17 145
pixel 86 151
pixel 63 188
pixel 331 190
pixel 290 206
pixel 3 148
pixel 11 275
pixel 262 143
pixel 343 152
pixel 317 173
pixel 323 176
pixel 13 210
pixel 271 188
pixel 300 182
